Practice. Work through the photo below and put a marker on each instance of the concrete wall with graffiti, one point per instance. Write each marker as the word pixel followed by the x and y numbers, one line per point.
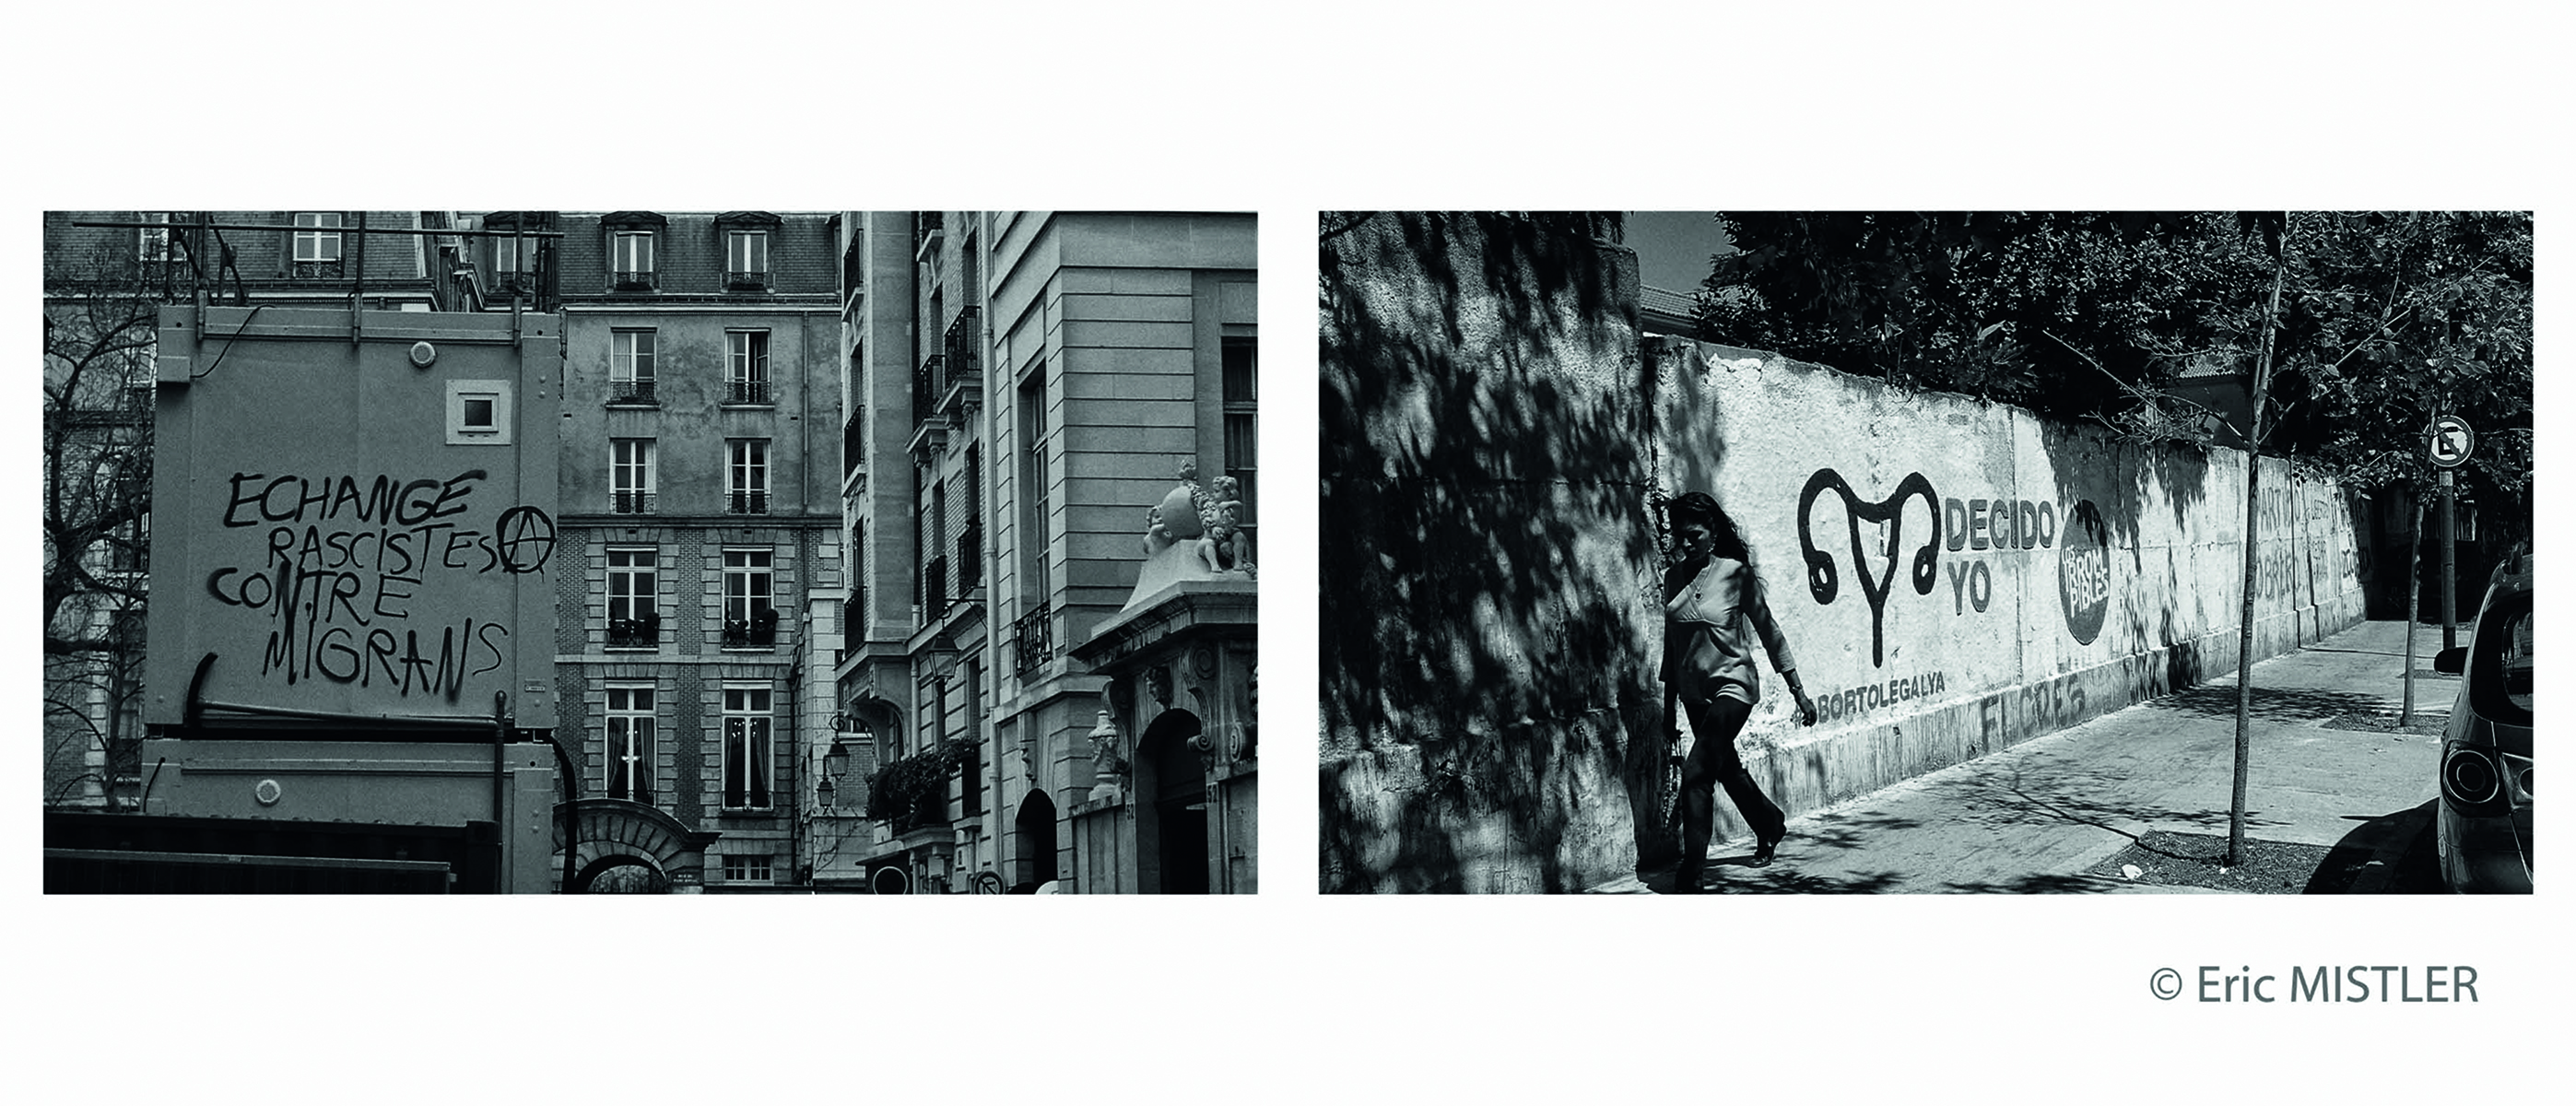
pixel 1955 576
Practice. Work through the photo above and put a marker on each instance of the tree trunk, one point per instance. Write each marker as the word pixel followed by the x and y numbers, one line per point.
pixel 2253 508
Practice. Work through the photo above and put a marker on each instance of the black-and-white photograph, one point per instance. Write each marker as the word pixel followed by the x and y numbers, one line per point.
pixel 2085 552
pixel 576 552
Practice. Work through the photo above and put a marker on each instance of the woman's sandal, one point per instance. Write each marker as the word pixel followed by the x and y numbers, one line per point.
pixel 1763 851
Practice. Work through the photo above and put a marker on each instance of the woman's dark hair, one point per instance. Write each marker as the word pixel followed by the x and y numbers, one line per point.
pixel 1702 507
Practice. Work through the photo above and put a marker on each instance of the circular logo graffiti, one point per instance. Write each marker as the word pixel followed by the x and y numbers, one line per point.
pixel 2084 572
pixel 527 538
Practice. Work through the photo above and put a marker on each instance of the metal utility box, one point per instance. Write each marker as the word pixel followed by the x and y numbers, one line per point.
pixel 309 786
pixel 353 516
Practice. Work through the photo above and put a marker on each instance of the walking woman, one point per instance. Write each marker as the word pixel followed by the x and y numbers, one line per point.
pixel 1713 607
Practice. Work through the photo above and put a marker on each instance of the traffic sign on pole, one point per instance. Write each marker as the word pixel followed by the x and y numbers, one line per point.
pixel 2450 442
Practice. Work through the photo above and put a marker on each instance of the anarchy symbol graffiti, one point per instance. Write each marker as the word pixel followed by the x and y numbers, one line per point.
pixel 1823 580
pixel 526 537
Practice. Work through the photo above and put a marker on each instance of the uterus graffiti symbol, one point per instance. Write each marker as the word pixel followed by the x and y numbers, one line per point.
pixel 1824 579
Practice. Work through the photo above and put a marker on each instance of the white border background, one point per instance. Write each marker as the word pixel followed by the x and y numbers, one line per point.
pixel 1285 110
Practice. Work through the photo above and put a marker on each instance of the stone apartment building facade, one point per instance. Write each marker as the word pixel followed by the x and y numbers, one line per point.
pixel 699 515
pixel 1023 387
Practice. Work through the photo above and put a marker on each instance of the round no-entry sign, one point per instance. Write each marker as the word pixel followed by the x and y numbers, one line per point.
pixel 2451 442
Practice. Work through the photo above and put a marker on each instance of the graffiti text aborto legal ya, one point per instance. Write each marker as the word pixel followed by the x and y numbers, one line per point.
pixel 343 562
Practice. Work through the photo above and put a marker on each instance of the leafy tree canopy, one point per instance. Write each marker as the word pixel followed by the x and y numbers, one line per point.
pixel 2385 319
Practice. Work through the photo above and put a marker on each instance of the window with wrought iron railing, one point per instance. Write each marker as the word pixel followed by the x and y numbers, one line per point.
pixel 643 631
pixel 630 475
pixel 926 384
pixel 757 631
pixel 747 476
pixel 747 259
pixel 633 357
pixel 1033 639
pixel 631 264
pixel 633 599
pixel 750 622
pixel 747 366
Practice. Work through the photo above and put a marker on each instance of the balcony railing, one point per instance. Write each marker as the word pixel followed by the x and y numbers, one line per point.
pixel 747 391
pixel 1033 639
pixel 749 503
pixel 934 586
pixel 747 280
pixel 631 503
pixel 928 382
pixel 760 631
pixel 632 391
pixel 644 281
pixel 640 632
pixel 960 341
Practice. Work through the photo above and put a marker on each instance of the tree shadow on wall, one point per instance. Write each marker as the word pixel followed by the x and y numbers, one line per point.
pixel 2121 478
pixel 1486 560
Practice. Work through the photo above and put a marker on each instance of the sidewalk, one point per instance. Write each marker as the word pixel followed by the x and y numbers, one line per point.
pixel 2035 817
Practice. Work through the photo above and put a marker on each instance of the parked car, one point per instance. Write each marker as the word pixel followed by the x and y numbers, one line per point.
pixel 2483 827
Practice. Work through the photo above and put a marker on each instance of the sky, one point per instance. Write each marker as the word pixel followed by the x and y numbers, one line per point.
pixel 1673 247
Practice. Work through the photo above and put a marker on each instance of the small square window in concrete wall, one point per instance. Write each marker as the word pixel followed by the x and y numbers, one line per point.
pixel 478 412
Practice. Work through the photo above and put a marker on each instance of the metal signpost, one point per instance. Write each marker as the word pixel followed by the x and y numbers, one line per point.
pixel 2449 444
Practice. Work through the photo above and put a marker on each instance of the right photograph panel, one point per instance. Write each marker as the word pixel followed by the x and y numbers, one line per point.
pixel 1925 552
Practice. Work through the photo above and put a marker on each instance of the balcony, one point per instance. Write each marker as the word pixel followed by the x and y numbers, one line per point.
pixel 748 503
pixel 639 281
pixel 641 632
pixel 752 392
pixel 929 431
pixel 961 387
pixel 638 393
pixel 1033 639
pixel 934 587
pixel 631 503
pixel 760 631
pixel 928 382
pixel 750 280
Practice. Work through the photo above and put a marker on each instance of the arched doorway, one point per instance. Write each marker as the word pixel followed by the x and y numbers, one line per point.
pixel 1033 843
pixel 622 875
pixel 1171 814
pixel 611 836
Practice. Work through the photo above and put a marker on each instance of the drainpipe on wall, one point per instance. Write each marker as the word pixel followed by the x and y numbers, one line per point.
pixel 796 758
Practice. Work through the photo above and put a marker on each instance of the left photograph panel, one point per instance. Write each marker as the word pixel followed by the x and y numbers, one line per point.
pixel 566 552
